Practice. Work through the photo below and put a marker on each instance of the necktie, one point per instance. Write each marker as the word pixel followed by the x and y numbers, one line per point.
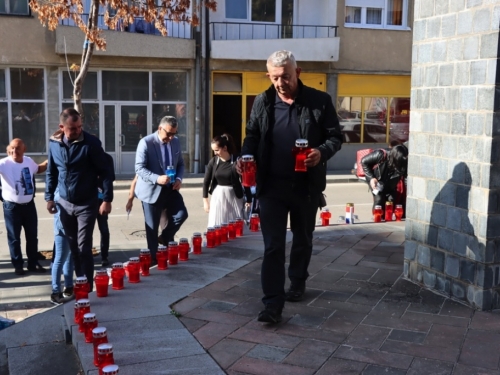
pixel 167 158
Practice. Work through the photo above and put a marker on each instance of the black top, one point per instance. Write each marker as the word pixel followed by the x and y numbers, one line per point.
pixel 223 172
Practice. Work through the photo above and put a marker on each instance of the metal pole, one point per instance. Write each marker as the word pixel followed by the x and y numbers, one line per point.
pixel 197 84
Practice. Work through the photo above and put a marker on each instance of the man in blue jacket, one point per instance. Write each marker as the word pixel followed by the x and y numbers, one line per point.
pixel 288 111
pixel 76 160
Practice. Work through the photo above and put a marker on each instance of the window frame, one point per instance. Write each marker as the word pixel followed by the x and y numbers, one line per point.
pixel 277 20
pixel 8 13
pixel 377 4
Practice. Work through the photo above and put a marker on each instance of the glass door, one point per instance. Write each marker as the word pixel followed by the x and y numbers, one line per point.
pixel 124 126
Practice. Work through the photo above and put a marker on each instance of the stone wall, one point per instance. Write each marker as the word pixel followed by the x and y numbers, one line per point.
pixel 453 206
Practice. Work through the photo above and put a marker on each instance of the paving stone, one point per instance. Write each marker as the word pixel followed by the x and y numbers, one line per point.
pixel 260 367
pixel 429 303
pixel 192 324
pixel 357 276
pixel 219 295
pixel 311 354
pixel 350 258
pixel 379 370
pixel 481 349
pixel 374 258
pixel 424 351
pixel 453 308
pixel 439 319
pixel 368 296
pixel 306 320
pixel 326 276
pixel 421 366
pixel 443 335
pixel 339 293
pixel 390 307
pixel 217 317
pixel 383 320
pixel 341 367
pixel 226 283
pixel 211 333
pixel 303 309
pixel 469 370
pixel 489 321
pixel 189 303
pixel 250 308
pixel 407 336
pixel 241 292
pixel 268 353
pixel 343 321
pixel 374 357
pixel 343 306
pixel 369 337
pixel 388 266
pixel 218 306
pixel 269 338
pixel 333 253
pixel 311 333
pixel 349 268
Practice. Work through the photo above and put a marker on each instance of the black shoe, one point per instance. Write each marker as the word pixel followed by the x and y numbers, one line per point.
pixel 296 293
pixel 270 314
pixel 38 269
pixel 40 256
pixel 58 298
pixel 105 262
pixel 68 292
pixel 19 271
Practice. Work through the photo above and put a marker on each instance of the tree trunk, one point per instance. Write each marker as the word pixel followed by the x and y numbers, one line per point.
pixel 88 51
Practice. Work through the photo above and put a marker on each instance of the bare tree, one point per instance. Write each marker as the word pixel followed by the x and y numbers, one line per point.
pixel 51 12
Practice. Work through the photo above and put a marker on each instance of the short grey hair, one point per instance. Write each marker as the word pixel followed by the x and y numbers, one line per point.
pixel 281 58
pixel 168 120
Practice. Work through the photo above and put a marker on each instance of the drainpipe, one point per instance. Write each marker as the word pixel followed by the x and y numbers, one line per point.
pixel 197 84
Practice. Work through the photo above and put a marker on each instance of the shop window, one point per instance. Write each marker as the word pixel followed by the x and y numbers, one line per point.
pixel 3 93
pixel 4 126
pixel 19 7
pixel 27 83
pixel 125 86
pixel 399 120
pixel 259 10
pixel 28 123
pixel 89 90
pixel 389 14
pixel 169 86
pixel 236 9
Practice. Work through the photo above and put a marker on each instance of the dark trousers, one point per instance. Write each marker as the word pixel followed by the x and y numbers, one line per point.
pixel 78 221
pixel 18 216
pixel 102 223
pixel 275 205
pixel 176 213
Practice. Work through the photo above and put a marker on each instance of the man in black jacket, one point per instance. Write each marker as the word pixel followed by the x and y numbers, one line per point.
pixel 288 111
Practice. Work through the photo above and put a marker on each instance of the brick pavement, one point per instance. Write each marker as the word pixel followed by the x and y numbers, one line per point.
pixel 359 317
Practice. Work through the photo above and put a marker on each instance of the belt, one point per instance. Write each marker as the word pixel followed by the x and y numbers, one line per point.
pixel 21 204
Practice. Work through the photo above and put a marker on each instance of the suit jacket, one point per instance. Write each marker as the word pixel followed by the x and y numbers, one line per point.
pixel 149 166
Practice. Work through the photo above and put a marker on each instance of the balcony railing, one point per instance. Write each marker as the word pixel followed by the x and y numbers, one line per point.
pixel 242 31
pixel 174 29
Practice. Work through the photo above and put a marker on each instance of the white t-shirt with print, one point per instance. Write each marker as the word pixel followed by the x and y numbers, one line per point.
pixel 17 179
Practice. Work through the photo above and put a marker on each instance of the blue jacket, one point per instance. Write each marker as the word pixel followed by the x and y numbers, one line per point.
pixel 75 169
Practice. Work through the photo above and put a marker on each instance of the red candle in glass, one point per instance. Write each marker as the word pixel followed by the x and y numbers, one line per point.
pixel 197 243
pixel 110 370
pixel 239 227
pixel 83 308
pixel 325 216
pixel 145 261
pixel 81 288
pixel 100 336
pixel 249 170
pixel 224 232
pixel 105 356
pixel 134 268
pixel 300 151
pixel 377 214
pixel 254 223
pixel 398 212
pixel 101 283
pixel 183 249
pixel 89 323
pixel 210 237
pixel 218 235
pixel 389 210
pixel 231 230
pixel 162 257
pixel 117 275
pixel 173 253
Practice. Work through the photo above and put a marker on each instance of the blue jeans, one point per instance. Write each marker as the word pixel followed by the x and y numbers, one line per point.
pixel 63 261
pixel 19 216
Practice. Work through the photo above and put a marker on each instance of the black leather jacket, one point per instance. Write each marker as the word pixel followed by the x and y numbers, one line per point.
pixel 318 123
pixel 375 165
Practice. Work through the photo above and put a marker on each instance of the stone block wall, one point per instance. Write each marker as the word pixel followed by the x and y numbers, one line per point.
pixel 453 205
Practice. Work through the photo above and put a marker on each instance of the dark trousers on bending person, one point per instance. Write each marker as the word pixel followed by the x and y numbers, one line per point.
pixel 78 221
pixel 176 213
pixel 275 205
pixel 102 223
pixel 18 216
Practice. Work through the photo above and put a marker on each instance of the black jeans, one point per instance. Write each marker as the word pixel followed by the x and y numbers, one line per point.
pixel 275 205
pixel 102 223
pixel 78 221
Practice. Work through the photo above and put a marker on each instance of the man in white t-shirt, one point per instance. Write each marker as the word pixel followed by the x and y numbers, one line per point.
pixel 16 175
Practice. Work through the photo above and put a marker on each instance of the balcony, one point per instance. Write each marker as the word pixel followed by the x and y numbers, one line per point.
pixel 256 41
pixel 143 36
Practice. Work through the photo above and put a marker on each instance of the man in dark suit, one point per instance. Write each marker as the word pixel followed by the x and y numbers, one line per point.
pixel 154 188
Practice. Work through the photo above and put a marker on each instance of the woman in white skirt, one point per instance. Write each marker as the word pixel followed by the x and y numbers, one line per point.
pixel 223 183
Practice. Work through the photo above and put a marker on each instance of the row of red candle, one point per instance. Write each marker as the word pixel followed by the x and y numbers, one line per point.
pixel 389 211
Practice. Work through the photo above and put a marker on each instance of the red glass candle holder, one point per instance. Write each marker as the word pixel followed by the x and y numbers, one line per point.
pixel 377 214
pixel 231 230
pixel 145 261
pixel 300 151
pixel 249 171
pixel 239 227
pixel 105 356
pixel 398 212
pixel 224 232
pixel 173 253
pixel 197 243
pixel 83 308
pixel 110 370
pixel 101 283
pixel 183 249
pixel 325 216
pixel 389 210
pixel 81 288
pixel 117 275
pixel 210 237
pixel 89 323
pixel 134 268
pixel 100 336
pixel 218 235
pixel 162 258
pixel 254 223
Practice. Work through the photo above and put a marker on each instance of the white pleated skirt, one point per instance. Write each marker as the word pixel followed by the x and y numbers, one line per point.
pixel 224 206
